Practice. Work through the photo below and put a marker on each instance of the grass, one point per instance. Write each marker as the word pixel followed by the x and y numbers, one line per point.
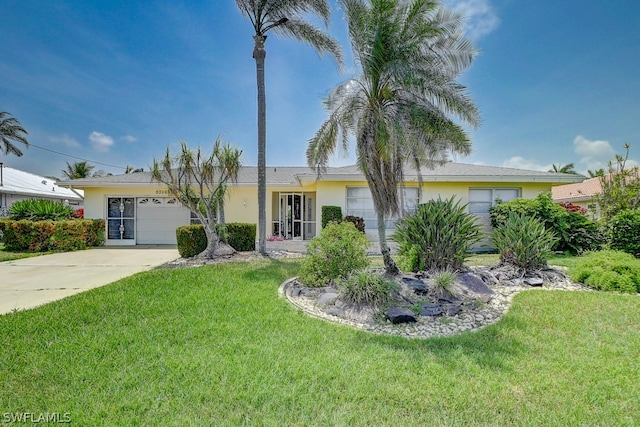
pixel 6 255
pixel 216 346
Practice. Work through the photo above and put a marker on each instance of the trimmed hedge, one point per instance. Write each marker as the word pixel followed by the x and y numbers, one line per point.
pixel 192 239
pixel 241 236
pixel 331 213
pixel 44 236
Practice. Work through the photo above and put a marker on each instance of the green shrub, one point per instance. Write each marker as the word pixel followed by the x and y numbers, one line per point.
pixel 576 233
pixel 357 221
pixel 581 234
pixel 331 213
pixel 44 236
pixel 608 271
pixel 437 236
pixel 241 236
pixel 523 241
pixel 625 232
pixel 39 210
pixel 339 250
pixel 191 240
pixel 366 287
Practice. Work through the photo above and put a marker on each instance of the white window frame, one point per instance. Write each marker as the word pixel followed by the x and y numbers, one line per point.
pixel 367 211
pixel 477 207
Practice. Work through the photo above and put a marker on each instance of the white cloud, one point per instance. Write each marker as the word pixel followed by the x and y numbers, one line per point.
pixel 479 16
pixel 100 141
pixel 128 138
pixel 593 154
pixel 522 163
pixel 65 140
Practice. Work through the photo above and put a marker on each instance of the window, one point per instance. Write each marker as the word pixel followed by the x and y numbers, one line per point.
pixel 482 199
pixel 360 203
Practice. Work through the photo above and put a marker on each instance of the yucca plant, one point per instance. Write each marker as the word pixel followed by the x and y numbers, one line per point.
pixel 524 242
pixel 437 236
pixel 39 210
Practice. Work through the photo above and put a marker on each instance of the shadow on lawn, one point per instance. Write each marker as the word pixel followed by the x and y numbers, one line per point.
pixel 492 347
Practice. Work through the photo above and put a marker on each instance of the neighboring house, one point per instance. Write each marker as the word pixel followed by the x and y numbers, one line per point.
pixel 580 193
pixel 16 185
pixel 139 211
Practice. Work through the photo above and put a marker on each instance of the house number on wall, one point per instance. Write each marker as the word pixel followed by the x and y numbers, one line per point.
pixel 162 192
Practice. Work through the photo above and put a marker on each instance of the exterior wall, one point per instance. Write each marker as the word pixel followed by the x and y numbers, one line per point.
pixel 242 205
pixel 95 199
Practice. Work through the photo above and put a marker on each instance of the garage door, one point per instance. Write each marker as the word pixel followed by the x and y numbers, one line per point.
pixel 157 219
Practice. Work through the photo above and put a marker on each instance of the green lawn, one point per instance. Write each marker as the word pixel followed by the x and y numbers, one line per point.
pixel 217 346
pixel 6 255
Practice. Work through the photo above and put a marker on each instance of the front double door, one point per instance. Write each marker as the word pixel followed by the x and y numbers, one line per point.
pixel 296 216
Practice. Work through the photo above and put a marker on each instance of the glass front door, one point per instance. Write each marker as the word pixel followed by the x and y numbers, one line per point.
pixel 296 216
pixel 121 220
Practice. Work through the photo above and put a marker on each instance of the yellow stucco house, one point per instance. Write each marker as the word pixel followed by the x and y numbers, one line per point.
pixel 138 211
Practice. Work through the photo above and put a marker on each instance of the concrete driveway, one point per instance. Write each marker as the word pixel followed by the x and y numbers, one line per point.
pixel 30 282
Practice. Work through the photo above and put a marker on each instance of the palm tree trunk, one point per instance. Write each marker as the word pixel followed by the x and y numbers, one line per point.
pixel 389 264
pixel 259 54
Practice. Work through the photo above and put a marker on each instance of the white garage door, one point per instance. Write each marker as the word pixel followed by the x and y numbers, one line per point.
pixel 157 219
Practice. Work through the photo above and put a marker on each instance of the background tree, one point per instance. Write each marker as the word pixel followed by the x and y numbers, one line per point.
pixel 198 182
pixel 620 187
pixel 285 18
pixel 398 107
pixel 559 168
pixel 11 130
pixel 596 173
pixel 77 170
pixel 132 169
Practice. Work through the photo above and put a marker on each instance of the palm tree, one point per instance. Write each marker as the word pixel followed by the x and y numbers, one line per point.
pixel 596 173
pixel 398 107
pixel 559 168
pixel 77 170
pixel 132 169
pixel 11 130
pixel 285 18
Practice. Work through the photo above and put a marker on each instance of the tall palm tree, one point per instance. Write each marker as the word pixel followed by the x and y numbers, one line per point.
pixel 285 18
pixel 11 130
pixel 398 107
pixel 77 170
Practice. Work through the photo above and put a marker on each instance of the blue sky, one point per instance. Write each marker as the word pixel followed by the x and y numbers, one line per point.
pixel 116 82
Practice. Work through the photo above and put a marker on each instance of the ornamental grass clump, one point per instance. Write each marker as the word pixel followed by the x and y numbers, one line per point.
pixel 339 250
pixel 437 236
pixel 524 242
pixel 366 287
pixel 607 271
pixel 443 282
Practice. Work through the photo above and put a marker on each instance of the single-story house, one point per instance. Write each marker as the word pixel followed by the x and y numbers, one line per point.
pixel 580 193
pixel 138 210
pixel 16 185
